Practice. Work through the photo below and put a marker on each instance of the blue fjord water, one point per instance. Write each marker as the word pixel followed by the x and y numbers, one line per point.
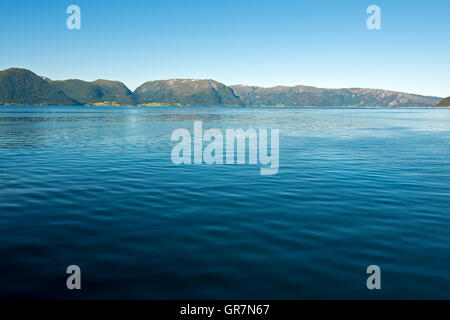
pixel 95 187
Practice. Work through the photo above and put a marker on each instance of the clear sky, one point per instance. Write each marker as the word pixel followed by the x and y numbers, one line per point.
pixel 323 43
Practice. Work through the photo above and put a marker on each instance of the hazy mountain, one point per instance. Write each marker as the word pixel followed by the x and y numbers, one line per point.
pixel 311 96
pixel 187 92
pixel 23 87
pixel 97 92
pixel 444 103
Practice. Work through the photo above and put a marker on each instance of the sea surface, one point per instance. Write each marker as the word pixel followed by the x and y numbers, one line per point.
pixel 96 187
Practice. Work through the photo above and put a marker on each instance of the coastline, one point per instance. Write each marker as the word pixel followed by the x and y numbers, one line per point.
pixel 161 105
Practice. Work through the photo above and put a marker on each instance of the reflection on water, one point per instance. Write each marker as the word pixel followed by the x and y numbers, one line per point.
pixel 95 186
pixel 57 125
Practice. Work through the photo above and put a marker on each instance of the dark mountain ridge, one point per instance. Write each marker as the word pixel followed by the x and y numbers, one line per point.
pixel 97 92
pixel 23 87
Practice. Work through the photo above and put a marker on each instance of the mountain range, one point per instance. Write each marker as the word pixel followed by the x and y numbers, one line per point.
pixel 23 87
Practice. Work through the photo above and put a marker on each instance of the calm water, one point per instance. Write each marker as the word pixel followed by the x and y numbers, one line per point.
pixel 96 187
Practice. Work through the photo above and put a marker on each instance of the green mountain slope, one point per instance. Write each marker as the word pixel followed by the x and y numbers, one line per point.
pixel 99 91
pixel 187 92
pixel 444 103
pixel 311 96
pixel 23 87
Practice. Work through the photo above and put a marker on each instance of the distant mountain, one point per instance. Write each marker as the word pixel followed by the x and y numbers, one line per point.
pixel 97 92
pixel 23 87
pixel 444 103
pixel 311 96
pixel 187 92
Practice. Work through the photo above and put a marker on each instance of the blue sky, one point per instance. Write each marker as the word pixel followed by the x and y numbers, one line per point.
pixel 266 43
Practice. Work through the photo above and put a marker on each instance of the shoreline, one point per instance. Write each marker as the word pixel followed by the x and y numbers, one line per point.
pixel 228 107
